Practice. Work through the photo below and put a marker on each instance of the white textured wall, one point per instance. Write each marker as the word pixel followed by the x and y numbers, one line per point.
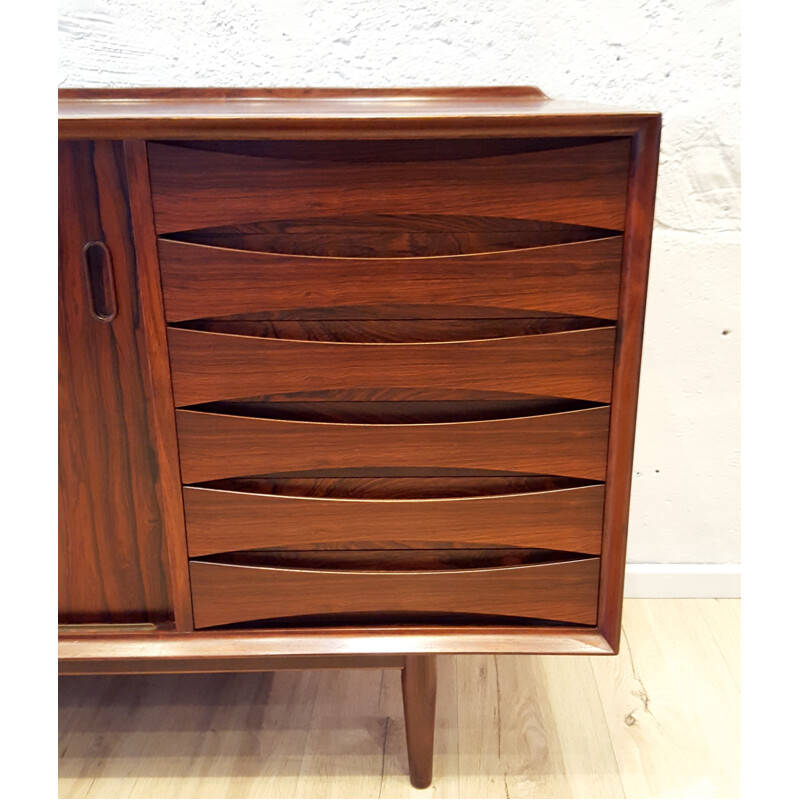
pixel 680 57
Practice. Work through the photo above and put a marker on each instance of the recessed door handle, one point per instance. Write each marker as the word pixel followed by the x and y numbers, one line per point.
pixel 99 275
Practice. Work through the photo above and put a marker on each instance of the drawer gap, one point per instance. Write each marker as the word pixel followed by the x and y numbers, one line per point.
pixel 385 236
pixel 396 620
pixel 394 412
pixel 386 150
pixel 394 560
pixel 397 488
pixel 394 331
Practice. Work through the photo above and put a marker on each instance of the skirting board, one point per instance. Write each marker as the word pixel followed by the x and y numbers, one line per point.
pixel 683 580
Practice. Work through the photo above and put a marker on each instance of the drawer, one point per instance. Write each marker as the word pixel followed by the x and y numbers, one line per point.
pixel 194 186
pixel 214 446
pixel 426 512
pixel 209 366
pixel 578 278
pixel 225 593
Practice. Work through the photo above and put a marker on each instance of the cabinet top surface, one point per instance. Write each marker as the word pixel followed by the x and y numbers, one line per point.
pixel 322 113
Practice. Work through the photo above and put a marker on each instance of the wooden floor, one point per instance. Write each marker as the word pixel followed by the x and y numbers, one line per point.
pixel 660 720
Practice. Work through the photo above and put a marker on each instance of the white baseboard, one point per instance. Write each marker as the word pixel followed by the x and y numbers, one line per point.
pixel 683 580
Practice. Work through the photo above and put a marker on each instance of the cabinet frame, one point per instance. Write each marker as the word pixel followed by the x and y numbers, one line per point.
pixel 136 116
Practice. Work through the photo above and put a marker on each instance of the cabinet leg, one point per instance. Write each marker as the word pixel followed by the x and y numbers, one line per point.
pixel 419 705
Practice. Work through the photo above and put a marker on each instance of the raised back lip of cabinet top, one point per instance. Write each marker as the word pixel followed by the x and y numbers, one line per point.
pixel 324 113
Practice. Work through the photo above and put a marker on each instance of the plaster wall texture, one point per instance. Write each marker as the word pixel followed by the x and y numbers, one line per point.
pixel 680 57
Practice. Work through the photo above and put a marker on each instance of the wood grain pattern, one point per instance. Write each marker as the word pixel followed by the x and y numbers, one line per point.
pixel 565 592
pixel 309 94
pixel 161 403
pixel 671 705
pixel 581 278
pixel 314 113
pixel 212 366
pixel 379 236
pixel 216 446
pixel 219 521
pixel 350 754
pixel 112 558
pixel 530 728
pixel 627 363
pixel 723 619
pixel 583 185
pixel 81 653
pixel 211 663
pixel 419 704
pixel 424 405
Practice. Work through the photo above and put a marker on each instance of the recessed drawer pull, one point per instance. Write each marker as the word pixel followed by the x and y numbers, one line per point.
pixel 393 331
pixel 397 562
pixel 377 237
pixel 99 275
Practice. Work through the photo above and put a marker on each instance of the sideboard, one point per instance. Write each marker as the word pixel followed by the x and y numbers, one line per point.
pixel 347 378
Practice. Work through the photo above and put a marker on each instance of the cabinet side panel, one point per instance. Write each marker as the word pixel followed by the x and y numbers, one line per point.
pixel 112 553
pixel 625 389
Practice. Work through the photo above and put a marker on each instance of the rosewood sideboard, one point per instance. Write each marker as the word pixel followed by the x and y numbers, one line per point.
pixel 347 378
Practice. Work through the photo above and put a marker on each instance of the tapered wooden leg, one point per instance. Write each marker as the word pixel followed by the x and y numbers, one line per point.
pixel 419 705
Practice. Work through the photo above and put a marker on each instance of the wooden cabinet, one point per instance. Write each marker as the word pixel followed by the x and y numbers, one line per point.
pixel 347 377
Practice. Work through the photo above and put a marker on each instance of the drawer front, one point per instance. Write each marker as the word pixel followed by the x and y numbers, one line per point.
pixel 330 325
pixel 230 593
pixel 219 521
pixel 215 366
pixel 194 188
pixel 215 446
pixel 578 278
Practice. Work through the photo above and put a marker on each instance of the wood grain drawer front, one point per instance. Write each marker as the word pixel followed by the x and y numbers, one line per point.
pixel 222 521
pixel 579 278
pixel 217 366
pixel 214 446
pixel 194 188
pixel 226 593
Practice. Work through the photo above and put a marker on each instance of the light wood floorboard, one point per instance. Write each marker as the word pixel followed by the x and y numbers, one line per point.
pixel 671 703
pixel 724 621
pixel 661 720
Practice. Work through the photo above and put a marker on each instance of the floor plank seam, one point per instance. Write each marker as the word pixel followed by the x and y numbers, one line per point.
pixel 383 757
pixel 599 696
pixel 499 713
pixel 722 650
